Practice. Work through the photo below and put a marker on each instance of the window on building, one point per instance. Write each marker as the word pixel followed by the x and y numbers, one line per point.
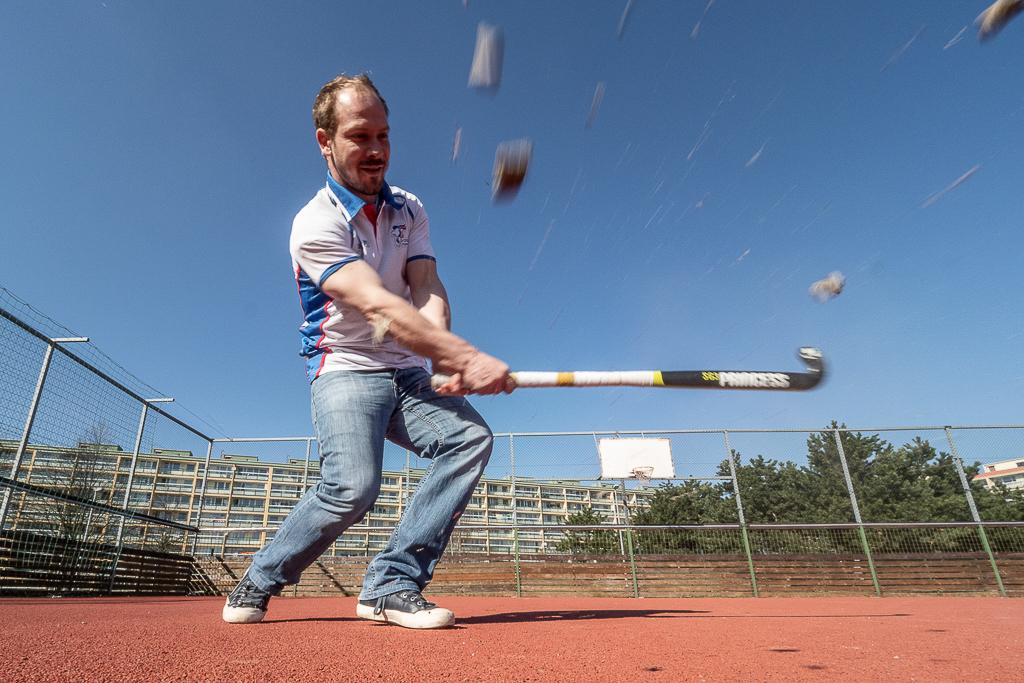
pixel 251 472
pixel 177 467
pixel 285 490
pixel 243 490
pixel 243 519
pixel 171 501
pixel 247 504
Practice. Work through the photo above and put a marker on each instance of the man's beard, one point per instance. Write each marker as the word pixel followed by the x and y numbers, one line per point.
pixel 369 188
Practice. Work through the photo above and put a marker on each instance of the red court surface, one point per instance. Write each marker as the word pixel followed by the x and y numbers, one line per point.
pixel 526 639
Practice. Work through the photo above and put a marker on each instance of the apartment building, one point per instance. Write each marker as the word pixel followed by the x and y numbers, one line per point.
pixel 1010 473
pixel 252 497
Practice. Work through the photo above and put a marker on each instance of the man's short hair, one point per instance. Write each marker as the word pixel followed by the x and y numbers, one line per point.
pixel 323 105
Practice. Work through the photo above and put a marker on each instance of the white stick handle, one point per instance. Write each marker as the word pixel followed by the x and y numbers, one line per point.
pixel 584 378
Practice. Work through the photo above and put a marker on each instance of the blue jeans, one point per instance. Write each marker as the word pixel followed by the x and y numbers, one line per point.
pixel 353 412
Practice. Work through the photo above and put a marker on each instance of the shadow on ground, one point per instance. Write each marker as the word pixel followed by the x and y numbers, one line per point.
pixel 585 615
pixel 576 615
pixel 590 615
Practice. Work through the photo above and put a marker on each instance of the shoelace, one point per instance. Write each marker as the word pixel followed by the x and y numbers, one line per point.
pixel 246 597
pixel 409 596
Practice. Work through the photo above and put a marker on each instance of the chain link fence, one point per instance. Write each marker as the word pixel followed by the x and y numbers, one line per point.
pixel 96 469
pixel 79 454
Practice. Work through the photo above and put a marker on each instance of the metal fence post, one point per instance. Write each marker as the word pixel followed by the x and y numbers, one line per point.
pixel 128 488
pixel 856 512
pixel 629 540
pixel 305 466
pixel 127 494
pixel 515 515
pixel 31 418
pixel 959 464
pixel 408 479
pixel 131 470
pixel 202 495
pixel 742 517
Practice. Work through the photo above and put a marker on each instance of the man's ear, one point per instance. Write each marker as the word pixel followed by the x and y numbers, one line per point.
pixel 324 140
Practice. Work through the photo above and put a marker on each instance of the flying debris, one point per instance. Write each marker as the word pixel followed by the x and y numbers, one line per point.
pixel 511 160
pixel 544 240
pixel 903 48
pixel 999 13
pixel 622 19
pixel 456 144
pixel 700 140
pixel 485 73
pixel 955 39
pixel 952 186
pixel 696 27
pixel 595 104
pixel 757 155
pixel 828 287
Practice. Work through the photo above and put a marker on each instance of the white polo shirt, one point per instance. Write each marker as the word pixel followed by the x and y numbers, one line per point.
pixel 331 231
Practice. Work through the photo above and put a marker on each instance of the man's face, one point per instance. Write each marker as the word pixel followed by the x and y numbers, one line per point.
pixel 358 152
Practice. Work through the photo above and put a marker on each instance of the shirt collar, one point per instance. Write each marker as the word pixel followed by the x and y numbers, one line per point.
pixel 353 204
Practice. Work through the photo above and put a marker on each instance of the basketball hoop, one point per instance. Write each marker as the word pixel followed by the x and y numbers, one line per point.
pixel 643 474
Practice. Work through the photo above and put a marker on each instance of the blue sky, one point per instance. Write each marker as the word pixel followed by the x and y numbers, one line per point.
pixel 155 154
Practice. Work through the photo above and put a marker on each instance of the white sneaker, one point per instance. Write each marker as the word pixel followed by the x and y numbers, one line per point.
pixel 406 608
pixel 246 604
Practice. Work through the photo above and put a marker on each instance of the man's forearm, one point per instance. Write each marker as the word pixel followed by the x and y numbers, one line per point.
pixel 359 286
pixel 416 331
pixel 436 310
pixel 431 299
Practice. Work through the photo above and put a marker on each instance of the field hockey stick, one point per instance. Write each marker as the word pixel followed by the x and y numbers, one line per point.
pixel 695 379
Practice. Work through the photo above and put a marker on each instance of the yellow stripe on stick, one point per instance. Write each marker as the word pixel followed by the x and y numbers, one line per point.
pixel 658 381
pixel 566 379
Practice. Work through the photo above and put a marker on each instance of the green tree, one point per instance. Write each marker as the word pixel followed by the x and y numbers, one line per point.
pixel 827 496
pixel 997 504
pixel 910 483
pixel 589 541
pixel 688 503
pixel 773 492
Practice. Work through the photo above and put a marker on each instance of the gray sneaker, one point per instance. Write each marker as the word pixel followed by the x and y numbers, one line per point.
pixel 406 608
pixel 246 604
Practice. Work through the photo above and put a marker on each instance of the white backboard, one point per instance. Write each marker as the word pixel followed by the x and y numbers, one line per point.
pixel 620 456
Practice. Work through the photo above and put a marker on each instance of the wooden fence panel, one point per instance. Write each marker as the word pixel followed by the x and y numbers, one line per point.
pixel 36 564
pixel 664 575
